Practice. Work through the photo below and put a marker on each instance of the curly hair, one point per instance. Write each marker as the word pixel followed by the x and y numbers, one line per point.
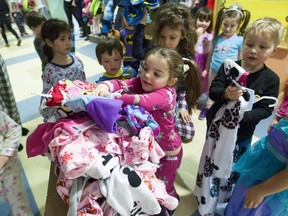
pixel 178 17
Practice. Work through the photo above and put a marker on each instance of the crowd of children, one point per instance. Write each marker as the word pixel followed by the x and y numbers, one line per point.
pixel 165 75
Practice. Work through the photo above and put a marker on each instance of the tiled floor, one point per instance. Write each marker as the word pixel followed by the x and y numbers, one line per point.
pixel 24 69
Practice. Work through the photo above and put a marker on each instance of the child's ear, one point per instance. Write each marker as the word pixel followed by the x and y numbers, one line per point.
pixel 172 81
pixel 49 42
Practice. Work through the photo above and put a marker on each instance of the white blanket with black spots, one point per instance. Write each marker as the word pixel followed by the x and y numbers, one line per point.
pixel 213 184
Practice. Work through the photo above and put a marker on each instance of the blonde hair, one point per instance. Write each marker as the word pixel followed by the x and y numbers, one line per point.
pixel 268 27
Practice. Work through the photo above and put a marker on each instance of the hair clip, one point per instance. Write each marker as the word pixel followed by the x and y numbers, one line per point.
pixel 234 8
pixel 185 68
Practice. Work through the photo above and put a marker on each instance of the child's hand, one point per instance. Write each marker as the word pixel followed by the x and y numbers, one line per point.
pixel 253 197
pixel 200 31
pixel 101 90
pixel 74 4
pixel 3 161
pixel 144 19
pixel 204 73
pixel 185 116
pixel 273 122
pixel 233 93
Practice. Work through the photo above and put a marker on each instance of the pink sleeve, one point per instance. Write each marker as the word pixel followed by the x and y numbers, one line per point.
pixel 282 111
pixel 161 99
pixel 134 95
pixel 129 85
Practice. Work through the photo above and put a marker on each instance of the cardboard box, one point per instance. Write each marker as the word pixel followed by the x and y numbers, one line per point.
pixel 54 204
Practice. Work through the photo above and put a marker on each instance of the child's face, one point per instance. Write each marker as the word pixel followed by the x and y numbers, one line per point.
pixel 229 26
pixel 256 50
pixel 203 23
pixel 169 38
pixel 62 45
pixel 155 74
pixel 111 63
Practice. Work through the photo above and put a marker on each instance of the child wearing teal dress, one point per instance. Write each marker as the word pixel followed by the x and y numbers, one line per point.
pixel 262 188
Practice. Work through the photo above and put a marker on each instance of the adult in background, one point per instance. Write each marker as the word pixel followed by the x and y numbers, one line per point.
pixel 5 19
pixel 74 7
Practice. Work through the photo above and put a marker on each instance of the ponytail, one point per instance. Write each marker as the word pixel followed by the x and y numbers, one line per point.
pixel 218 24
pixel 48 52
pixel 245 21
pixel 192 84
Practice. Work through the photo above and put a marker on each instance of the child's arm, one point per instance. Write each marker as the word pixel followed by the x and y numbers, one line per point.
pixel 240 44
pixel 274 184
pixel 274 121
pixel 221 89
pixel 261 109
pixel 207 68
pixel 158 99
pixel 133 94
pixel 182 107
pixel 10 134
pixel 138 50
pixel 239 55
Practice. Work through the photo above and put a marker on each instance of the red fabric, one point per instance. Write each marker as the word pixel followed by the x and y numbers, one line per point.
pixel 57 96
pixel 210 4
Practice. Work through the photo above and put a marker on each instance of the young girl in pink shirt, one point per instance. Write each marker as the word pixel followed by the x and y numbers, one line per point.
pixel 154 90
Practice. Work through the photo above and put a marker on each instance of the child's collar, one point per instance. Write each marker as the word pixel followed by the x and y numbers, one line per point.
pixel 118 74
